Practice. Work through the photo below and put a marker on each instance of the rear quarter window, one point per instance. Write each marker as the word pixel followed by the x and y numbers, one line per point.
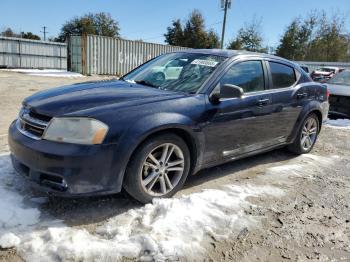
pixel 282 75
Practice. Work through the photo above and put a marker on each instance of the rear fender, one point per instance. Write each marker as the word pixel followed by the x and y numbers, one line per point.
pixel 313 106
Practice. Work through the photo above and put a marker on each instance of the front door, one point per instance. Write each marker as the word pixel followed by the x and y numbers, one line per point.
pixel 240 125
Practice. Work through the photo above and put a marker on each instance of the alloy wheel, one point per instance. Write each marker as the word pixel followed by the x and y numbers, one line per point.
pixel 162 169
pixel 309 134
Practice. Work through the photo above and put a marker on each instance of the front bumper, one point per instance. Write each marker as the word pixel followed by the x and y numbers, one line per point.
pixel 64 169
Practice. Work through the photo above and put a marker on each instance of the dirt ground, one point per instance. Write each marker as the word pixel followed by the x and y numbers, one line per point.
pixel 14 87
pixel 310 222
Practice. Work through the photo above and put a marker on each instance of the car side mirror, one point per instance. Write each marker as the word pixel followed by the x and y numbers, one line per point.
pixel 230 91
pixel 225 91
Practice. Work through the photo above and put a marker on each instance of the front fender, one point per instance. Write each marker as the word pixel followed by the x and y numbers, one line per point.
pixel 150 124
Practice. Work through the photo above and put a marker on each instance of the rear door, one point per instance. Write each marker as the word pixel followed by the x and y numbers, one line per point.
pixel 288 98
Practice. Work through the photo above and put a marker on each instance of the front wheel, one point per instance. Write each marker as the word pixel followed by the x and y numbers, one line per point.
pixel 158 168
pixel 307 136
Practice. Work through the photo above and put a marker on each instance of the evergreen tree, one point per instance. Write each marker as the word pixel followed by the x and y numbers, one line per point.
pixel 288 44
pixel 192 34
pixel 213 40
pixel 175 33
pixel 294 44
pixel 30 35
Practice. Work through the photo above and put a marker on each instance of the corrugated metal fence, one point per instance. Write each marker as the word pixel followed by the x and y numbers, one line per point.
pixel 24 53
pixel 91 54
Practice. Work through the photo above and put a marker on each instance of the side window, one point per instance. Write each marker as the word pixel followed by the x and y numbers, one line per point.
pixel 248 75
pixel 282 75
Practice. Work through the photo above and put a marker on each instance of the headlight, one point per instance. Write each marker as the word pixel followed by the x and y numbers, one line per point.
pixel 76 130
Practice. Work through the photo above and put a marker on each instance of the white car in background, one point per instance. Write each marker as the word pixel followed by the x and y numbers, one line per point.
pixel 169 71
pixel 339 89
pixel 324 73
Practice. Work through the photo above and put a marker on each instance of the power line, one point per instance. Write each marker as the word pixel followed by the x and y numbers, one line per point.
pixel 225 4
pixel 44 32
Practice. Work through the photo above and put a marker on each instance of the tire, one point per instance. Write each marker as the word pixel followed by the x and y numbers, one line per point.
pixel 147 177
pixel 307 136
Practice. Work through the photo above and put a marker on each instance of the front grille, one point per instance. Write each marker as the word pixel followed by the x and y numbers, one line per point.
pixel 32 124
pixel 39 116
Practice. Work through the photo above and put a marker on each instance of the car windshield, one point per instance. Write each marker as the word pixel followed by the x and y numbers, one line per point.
pixel 182 72
pixel 342 78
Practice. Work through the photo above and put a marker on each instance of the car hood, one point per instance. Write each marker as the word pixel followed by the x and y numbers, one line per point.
pixel 340 90
pixel 78 97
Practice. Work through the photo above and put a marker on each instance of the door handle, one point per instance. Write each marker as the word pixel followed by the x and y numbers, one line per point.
pixel 263 102
pixel 302 95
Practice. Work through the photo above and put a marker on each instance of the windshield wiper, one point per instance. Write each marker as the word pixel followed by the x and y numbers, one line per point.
pixel 145 83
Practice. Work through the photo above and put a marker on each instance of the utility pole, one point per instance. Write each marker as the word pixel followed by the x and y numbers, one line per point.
pixel 44 32
pixel 225 4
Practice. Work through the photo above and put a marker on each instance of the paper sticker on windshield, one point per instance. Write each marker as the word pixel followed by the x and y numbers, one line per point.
pixel 204 62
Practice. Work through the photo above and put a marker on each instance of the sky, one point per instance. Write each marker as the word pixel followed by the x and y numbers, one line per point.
pixel 148 20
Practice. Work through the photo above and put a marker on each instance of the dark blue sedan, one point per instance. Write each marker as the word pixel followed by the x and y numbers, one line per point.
pixel 170 117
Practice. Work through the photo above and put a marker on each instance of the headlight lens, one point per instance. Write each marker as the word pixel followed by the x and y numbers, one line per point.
pixel 76 130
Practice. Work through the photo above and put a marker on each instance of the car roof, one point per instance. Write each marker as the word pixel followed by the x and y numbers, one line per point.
pixel 232 53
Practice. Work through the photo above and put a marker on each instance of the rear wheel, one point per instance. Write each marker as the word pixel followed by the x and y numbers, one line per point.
pixel 158 168
pixel 307 136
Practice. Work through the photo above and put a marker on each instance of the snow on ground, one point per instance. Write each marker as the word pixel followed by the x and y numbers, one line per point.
pixel 13 212
pixel 167 229
pixel 339 123
pixel 14 215
pixel 46 72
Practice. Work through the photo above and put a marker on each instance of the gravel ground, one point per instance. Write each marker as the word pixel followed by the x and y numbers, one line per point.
pixel 310 222
pixel 15 87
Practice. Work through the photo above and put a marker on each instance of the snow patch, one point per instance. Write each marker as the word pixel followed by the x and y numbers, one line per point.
pixel 14 214
pixel 46 72
pixel 306 166
pixel 166 229
pixel 9 240
pixel 339 123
